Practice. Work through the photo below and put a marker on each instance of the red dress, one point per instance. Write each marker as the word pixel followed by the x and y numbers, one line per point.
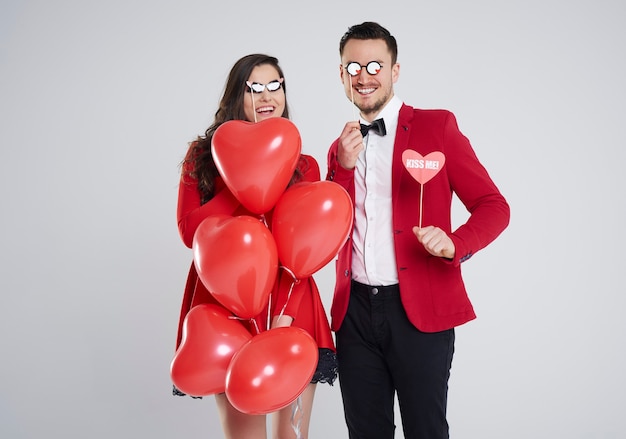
pixel 304 304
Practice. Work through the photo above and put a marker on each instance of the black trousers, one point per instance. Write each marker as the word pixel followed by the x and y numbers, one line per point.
pixel 380 354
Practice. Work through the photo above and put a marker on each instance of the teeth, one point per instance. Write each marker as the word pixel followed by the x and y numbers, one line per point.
pixel 263 109
pixel 366 90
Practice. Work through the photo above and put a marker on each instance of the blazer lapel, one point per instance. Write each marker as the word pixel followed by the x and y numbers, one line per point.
pixel 403 133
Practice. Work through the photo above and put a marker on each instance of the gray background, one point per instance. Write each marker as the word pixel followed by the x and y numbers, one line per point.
pixel 99 99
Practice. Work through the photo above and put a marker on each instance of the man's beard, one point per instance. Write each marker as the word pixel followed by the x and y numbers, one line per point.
pixel 375 107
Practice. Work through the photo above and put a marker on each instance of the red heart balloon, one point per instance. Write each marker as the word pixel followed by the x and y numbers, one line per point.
pixel 237 261
pixel 210 340
pixel 271 370
pixel 310 223
pixel 421 168
pixel 257 160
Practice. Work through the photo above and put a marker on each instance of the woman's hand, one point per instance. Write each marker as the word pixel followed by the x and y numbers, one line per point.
pixel 281 321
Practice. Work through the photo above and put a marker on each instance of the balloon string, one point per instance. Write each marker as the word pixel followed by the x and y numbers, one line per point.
pixel 263 220
pixel 421 202
pixel 254 323
pixel 294 282
pixel 256 327
pixel 269 312
pixel 282 311
pixel 295 408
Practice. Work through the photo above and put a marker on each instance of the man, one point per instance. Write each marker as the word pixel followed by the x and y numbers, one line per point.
pixel 399 292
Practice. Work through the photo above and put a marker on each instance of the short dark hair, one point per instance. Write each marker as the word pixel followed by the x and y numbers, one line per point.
pixel 370 30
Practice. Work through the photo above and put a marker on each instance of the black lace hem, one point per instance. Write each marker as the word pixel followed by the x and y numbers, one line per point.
pixel 177 392
pixel 325 373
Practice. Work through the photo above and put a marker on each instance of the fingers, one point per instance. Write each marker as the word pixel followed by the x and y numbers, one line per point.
pixel 351 126
pixel 351 138
pixel 435 241
pixel 350 145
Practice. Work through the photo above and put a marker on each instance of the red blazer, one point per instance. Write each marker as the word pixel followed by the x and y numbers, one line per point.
pixel 431 288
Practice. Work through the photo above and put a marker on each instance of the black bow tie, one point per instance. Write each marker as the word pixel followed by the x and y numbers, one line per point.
pixel 377 126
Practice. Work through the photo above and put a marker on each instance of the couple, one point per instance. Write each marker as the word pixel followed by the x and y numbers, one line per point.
pixel 399 292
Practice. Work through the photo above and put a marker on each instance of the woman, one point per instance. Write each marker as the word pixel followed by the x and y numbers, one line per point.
pixel 255 91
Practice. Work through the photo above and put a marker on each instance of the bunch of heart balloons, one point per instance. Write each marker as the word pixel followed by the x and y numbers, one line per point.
pixel 238 259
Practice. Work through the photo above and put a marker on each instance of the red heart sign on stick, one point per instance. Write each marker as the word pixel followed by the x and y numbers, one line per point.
pixel 257 160
pixel 422 168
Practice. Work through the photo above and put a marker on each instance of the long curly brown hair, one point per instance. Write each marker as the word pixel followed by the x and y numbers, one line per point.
pixel 199 163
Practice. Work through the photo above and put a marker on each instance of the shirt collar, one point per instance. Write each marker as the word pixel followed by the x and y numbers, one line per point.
pixel 389 112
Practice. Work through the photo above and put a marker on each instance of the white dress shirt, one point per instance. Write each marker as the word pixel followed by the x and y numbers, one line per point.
pixel 373 255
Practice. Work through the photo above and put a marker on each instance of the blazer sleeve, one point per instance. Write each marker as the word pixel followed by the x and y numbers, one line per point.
pixel 489 211
pixel 337 173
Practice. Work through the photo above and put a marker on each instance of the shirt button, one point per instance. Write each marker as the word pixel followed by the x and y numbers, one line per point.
pixel 374 291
